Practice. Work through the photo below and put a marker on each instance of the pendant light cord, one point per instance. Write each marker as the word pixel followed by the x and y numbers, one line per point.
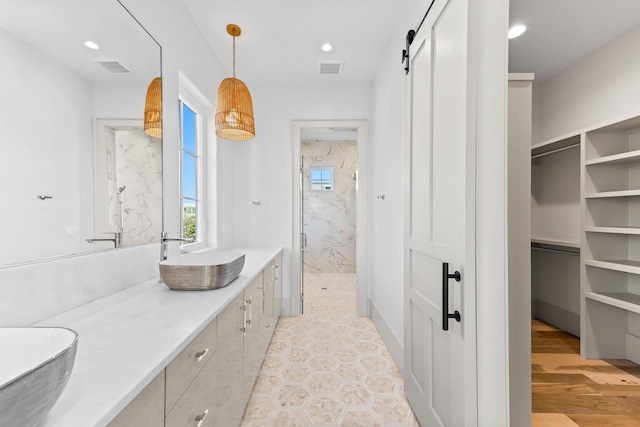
pixel 234 57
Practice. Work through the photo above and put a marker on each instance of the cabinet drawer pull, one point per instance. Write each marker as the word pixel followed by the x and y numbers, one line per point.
pixel 200 418
pixel 244 319
pixel 200 355
pixel 266 285
pixel 249 309
pixel 269 326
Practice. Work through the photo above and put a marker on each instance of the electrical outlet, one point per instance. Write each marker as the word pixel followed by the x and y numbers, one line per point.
pixel 72 231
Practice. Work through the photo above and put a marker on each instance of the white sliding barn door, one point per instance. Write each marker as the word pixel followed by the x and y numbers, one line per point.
pixel 440 369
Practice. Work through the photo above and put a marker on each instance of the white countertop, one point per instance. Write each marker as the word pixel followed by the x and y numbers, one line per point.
pixel 126 339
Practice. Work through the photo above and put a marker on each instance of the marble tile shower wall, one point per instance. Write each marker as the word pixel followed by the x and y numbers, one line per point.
pixel 330 216
pixel 135 160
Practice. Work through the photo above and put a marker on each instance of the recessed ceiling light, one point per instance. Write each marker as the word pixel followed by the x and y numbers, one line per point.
pixel 327 47
pixel 91 45
pixel 517 30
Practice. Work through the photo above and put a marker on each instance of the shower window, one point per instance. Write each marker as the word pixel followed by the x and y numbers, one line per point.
pixel 321 178
pixel 190 171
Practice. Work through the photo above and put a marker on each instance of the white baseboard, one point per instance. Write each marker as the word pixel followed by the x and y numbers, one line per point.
pixel 388 337
pixel 556 316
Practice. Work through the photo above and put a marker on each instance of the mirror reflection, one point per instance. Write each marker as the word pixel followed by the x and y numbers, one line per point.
pixel 78 172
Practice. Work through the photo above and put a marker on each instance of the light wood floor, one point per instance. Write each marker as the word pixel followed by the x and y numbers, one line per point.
pixel 568 391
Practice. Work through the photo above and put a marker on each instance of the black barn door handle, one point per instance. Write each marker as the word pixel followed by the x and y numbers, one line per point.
pixel 445 296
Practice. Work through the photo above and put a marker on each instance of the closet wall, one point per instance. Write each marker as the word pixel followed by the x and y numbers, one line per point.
pixel 555 234
pixel 601 87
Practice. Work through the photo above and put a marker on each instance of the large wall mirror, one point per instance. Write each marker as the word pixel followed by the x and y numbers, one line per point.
pixel 76 166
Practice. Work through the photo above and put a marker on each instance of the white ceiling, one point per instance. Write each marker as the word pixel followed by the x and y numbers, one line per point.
pixel 560 32
pixel 281 40
pixel 59 28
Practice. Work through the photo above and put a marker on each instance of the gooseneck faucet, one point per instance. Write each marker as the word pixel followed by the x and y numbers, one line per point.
pixel 163 243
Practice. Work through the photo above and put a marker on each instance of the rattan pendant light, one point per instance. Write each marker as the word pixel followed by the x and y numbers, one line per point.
pixel 153 109
pixel 234 110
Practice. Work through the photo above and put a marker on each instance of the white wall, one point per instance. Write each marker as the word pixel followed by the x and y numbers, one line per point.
pixel 387 154
pixel 89 277
pixel 262 169
pixel 604 86
pixel 46 149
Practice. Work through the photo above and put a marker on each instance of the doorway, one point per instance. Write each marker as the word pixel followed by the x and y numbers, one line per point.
pixel 330 206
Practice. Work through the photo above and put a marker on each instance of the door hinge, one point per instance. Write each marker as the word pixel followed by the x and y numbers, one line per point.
pixel 405 52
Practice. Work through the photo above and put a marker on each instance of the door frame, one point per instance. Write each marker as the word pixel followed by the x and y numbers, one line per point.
pixel 362 211
pixel 488 49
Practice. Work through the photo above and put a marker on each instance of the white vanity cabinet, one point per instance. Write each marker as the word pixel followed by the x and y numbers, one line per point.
pixel 210 381
pixel 184 368
pixel 273 291
pixel 147 409
pixel 254 350
pixel 211 399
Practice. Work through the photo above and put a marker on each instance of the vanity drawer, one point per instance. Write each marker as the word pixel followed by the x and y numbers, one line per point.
pixel 146 410
pixel 185 366
pixel 197 406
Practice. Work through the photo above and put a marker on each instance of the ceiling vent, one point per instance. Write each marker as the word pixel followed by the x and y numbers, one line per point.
pixel 113 66
pixel 331 67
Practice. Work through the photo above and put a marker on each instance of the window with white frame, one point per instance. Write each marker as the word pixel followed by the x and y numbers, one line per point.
pixel 197 166
pixel 191 203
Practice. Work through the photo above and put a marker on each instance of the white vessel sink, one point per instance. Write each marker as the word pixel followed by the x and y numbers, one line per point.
pixel 201 271
pixel 35 365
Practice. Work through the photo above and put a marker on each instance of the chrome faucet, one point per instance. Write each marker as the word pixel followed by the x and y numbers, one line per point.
pixel 116 239
pixel 163 243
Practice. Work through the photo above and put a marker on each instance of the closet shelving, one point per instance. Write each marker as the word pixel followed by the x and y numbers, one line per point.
pixel 555 145
pixel 611 252
pixel 613 230
pixel 555 231
pixel 548 241
pixel 555 190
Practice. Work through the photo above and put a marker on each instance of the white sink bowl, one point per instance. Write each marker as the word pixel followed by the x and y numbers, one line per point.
pixel 202 270
pixel 35 365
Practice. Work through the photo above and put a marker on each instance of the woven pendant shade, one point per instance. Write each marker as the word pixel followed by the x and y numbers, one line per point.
pixel 234 111
pixel 153 109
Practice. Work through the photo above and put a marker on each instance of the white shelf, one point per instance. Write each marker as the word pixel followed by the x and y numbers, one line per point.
pixel 555 242
pixel 631 156
pixel 556 144
pixel 624 265
pixel 623 300
pixel 613 230
pixel 607 194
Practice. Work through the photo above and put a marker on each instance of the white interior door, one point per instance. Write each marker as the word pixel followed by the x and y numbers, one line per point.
pixel 439 217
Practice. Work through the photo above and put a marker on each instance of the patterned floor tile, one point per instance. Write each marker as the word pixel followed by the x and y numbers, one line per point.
pixel 328 367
